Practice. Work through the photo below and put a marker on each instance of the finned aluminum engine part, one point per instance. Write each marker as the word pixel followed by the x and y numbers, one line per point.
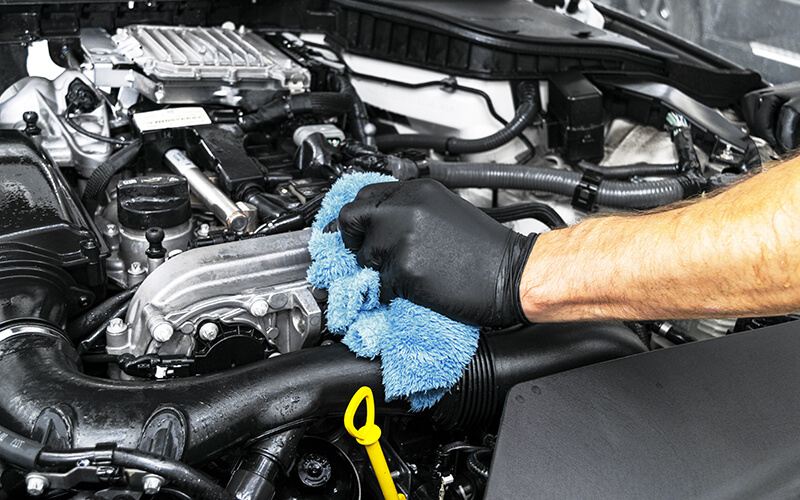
pixel 48 99
pixel 229 283
pixel 190 64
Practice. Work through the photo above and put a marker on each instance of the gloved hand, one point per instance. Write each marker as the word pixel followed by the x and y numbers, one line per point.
pixel 437 250
pixel 773 114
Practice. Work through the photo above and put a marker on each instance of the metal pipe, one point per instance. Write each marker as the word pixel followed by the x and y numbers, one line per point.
pixel 222 206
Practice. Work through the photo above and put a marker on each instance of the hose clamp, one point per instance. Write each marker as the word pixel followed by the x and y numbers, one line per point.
pixel 585 195
pixel 30 329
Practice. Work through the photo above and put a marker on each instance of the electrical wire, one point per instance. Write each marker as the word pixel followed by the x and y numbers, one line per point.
pixel 98 137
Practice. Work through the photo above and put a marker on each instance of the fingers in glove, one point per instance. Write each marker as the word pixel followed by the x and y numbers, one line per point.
pixel 354 221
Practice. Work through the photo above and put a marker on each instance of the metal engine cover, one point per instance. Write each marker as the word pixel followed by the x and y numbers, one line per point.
pixel 259 282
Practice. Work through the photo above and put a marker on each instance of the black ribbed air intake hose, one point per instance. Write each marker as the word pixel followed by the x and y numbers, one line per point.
pixel 39 370
pixel 318 103
pixel 610 193
pixel 526 113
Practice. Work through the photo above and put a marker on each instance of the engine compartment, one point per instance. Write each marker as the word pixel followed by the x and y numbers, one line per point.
pixel 158 337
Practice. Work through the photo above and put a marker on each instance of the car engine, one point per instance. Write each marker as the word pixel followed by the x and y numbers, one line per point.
pixel 161 165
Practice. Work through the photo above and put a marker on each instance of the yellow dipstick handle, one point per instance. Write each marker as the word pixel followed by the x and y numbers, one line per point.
pixel 368 437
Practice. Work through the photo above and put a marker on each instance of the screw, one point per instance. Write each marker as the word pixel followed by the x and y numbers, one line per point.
pixel 152 483
pixel 203 230
pixel 84 462
pixel 111 230
pixel 162 332
pixel 208 331
pixel 36 484
pixel 83 301
pixel 116 326
pixel 259 308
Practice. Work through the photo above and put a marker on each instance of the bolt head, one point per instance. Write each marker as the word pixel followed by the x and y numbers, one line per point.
pixel 36 484
pixel 259 308
pixel 208 331
pixel 136 268
pixel 162 332
pixel 111 229
pixel 116 326
pixel 152 483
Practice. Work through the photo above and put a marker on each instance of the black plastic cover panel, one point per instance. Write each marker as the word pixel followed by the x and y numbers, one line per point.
pixel 711 419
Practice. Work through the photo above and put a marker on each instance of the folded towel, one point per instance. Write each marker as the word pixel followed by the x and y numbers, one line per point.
pixel 423 354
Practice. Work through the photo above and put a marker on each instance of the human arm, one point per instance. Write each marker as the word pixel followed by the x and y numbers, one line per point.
pixel 730 255
pixel 733 254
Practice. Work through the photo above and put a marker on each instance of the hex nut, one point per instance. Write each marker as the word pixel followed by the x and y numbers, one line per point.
pixel 152 483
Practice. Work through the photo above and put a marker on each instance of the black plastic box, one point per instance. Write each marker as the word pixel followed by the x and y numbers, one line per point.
pixel 576 107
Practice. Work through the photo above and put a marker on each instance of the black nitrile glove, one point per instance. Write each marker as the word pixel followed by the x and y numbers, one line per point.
pixel 438 250
pixel 773 114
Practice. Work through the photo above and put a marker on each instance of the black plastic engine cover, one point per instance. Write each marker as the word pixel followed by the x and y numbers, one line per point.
pixel 711 419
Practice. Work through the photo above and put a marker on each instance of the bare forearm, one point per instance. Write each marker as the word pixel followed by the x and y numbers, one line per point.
pixel 735 254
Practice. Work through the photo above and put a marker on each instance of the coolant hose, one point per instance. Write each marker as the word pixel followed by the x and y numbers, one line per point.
pixel 610 193
pixel 220 411
pixel 357 117
pixel 525 114
pixel 319 103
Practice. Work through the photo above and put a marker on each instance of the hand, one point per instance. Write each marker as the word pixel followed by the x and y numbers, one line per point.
pixel 437 250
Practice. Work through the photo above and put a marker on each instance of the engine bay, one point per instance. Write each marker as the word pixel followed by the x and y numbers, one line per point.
pixel 162 165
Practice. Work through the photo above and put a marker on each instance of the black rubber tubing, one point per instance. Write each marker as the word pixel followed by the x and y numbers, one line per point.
pixel 177 474
pixel 531 210
pixel 226 409
pixel 81 327
pixel 633 170
pixel 357 117
pixel 610 193
pixel 318 103
pixel 105 171
pixel 525 114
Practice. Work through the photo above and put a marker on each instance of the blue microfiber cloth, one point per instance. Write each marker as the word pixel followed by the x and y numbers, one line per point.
pixel 423 354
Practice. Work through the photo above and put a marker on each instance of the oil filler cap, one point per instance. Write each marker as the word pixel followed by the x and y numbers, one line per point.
pixel 153 201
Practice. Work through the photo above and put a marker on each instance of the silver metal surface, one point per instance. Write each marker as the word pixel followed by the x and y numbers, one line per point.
pixel 222 283
pixel 47 98
pixel 190 64
pixel 36 484
pixel 218 202
pixel 29 329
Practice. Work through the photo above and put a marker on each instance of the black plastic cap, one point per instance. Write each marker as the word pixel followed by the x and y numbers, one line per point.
pixel 160 201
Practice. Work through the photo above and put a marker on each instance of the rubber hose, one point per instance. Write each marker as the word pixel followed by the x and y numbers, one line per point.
pixel 610 193
pixel 477 467
pixel 225 410
pixel 633 170
pixel 102 175
pixel 317 103
pixel 537 211
pixel 178 474
pixel 79 328
pixel 357 117
pixel 525 114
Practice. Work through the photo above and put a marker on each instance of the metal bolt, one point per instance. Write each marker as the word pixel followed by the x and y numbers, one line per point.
pixel 187 327
pixel 116 326
pixel 111 230
pixel 152 483
pixel 84 301
pixel 208 331
pixel 136 269
pixel 203 230
pixel 36 484
pixel 162 332
pixel 259 308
